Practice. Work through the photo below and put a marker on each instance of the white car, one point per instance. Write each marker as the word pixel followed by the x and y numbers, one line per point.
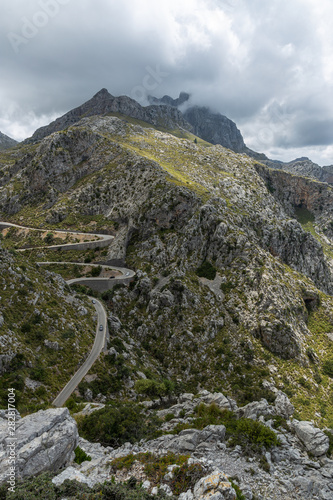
pixel 127 274
pixel 93 301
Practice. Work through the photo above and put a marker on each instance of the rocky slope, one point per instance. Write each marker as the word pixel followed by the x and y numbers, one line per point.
pixel 224 271
pixel 6 142
pixel 45 332
pixel 291 461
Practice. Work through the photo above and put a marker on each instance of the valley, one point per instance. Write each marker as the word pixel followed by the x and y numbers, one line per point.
pixel 211 273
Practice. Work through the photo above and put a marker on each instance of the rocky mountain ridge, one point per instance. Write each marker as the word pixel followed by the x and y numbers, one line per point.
pixel 104 103
pixel 6 142
pixel 175 206
pixel 304 167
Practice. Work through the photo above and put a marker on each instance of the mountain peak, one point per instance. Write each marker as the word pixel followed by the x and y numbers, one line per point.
pixel 103 93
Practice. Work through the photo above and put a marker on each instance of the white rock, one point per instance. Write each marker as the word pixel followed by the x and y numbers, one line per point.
pixel 186 496
pixel 283 405
pixel 146 485
pixel 314 440
pixel 71 474
pixel 215 486
pixel 45 441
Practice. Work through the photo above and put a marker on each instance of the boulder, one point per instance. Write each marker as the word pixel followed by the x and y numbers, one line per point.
pixel 216 486
pixel 189 439
pixel 283 405
pixel 44 442
pixel 255 409
pixel 188 495
pixel 314 440
pixel 217 397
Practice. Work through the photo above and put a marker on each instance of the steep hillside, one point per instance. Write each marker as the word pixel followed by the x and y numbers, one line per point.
pixel 6 142
pixel 45 332
pixel 230 290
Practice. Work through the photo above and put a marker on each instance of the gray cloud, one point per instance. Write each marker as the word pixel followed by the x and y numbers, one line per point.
pixel 266 65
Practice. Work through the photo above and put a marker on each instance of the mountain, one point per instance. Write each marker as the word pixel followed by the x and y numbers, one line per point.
pixel 231 305
pixel 104 103
pixel 6 142
pixel 304 167
pixel 212 127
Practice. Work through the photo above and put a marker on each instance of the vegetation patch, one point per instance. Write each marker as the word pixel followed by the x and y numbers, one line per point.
pixel 206 270
pixel 185 476
pixel 43 488
pixel 117 424
pixel 81 456
pixel 251 435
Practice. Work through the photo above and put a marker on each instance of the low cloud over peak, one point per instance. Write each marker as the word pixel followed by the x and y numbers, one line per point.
pixel 265 65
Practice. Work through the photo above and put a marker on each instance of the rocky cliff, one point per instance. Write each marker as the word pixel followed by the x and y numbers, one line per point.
pixel 232 292
pixel 6 142
pixel 212 127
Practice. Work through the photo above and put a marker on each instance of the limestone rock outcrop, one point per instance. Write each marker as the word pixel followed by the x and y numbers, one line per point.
pixel 314 440
pixel 44 442
pixel 215 486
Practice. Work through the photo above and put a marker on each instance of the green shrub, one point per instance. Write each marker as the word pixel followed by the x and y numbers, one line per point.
pixel 154 388
pixel 328 367
pixel 155 466
pixel 49 238
pixel 206 270
pixel 185 477
pixel 81 456
pixel 96 271
pixel 118 423
pixel 239 494
pixel 252 435
pixel 226 287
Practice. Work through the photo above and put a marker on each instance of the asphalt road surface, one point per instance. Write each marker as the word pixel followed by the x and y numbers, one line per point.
pixel 94 353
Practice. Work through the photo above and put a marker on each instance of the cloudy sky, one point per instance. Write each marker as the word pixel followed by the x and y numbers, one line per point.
pixel 266 64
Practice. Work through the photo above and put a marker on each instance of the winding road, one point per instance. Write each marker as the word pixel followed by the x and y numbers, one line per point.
pixel 99 343
pixel 102 326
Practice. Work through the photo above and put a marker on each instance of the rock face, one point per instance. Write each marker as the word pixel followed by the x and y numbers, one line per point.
pixel 6 142
pixel 212 127
pixel 314 440
pixel 215 128
pixel 103 103
pixel 45 441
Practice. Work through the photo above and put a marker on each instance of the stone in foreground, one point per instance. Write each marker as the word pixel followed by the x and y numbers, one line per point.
pixel 45 442
pixel 314 440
